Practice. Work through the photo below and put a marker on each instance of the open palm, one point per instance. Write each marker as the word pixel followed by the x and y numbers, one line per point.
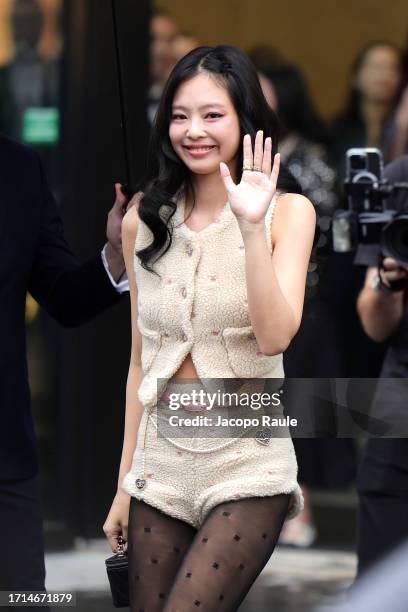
pixel 249 200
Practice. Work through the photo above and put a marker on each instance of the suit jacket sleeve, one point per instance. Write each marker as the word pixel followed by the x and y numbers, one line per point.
pixel 70 290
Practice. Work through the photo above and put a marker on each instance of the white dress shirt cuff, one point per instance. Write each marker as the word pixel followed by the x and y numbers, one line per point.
pixel 123 284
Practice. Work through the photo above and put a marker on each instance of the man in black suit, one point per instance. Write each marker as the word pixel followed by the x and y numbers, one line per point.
pixel 34 257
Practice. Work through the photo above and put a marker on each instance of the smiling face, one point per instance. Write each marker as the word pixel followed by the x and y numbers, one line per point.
pixel 204 127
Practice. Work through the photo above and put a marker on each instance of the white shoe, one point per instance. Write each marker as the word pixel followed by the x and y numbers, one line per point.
pixel 298 534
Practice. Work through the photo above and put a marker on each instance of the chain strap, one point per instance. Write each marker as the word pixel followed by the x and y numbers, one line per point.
pixel 120 552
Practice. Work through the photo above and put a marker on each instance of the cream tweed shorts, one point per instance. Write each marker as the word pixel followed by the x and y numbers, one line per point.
pixel 187 480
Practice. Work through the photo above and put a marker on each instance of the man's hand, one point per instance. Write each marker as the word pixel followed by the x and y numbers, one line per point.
pixel 113 251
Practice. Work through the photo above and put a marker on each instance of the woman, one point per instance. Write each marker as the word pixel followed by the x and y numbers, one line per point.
pixel 215 306
pixel 367 120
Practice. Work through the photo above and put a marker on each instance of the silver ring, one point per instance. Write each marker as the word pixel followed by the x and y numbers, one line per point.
pixel 249 168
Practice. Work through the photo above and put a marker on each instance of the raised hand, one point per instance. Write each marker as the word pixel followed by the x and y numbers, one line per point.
pixel 114 223
pixel 250 199
pixel 113 250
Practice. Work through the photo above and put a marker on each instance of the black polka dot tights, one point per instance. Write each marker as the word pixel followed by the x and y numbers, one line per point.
pixel 174 567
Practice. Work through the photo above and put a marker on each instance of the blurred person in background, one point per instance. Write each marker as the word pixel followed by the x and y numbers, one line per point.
pixel 366 121
pixel 322 463
pixel 163 30
pixel 383 474
pixel 50 42
pixel 35 258
pixel 368 117
pixel 33 68
pixel 399 136
pixel 297 112
pixel 183 43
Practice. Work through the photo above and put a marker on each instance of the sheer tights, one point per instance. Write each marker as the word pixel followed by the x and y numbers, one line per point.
pixel 175 568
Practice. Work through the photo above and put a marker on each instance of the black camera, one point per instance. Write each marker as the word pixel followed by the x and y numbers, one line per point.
pixel 373 217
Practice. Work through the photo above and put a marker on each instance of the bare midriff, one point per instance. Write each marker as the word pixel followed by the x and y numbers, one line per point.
pixel 186 370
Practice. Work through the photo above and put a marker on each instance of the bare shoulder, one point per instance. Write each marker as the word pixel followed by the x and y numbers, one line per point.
pixel 290 203
pixel 292 210
pixel 131 219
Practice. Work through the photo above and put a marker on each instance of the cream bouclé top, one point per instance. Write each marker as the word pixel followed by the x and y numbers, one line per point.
pixel 199 305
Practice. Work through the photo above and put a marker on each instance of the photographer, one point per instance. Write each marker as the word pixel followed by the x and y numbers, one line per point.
pixel 383 476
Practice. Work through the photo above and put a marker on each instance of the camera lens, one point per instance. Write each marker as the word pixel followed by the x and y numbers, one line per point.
pixel 395 238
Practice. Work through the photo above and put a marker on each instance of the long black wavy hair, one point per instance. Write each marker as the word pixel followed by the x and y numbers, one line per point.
pixel 166 173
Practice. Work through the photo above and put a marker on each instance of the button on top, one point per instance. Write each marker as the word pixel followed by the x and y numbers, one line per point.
pixel 184 292
pixel 184 338
pixel 189 249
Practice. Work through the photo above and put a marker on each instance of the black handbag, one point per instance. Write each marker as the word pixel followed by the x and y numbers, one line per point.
pixel 117 569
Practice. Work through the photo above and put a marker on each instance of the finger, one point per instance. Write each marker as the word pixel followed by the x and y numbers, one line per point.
pixel 392 276
pixel 226 177
pixel 275 170
pixel 267 157
pixel 258 153
pixel 389 263
pixel 113 541
pixel 121 199
pixel 248 157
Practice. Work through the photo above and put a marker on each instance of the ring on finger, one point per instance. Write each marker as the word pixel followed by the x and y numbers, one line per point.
pixel 256 169
pixel 250 168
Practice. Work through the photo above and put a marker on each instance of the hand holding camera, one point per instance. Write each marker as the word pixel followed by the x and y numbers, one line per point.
pixel 391 271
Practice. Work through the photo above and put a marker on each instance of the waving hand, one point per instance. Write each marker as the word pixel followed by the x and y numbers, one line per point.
pixel 250 199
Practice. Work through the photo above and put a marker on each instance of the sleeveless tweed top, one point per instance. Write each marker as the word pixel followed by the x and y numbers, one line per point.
pixel 198 306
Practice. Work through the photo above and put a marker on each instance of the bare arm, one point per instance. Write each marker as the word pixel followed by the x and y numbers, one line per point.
pixel 380 311
pixel 276 286
pixel 134 408
pixel 116 522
